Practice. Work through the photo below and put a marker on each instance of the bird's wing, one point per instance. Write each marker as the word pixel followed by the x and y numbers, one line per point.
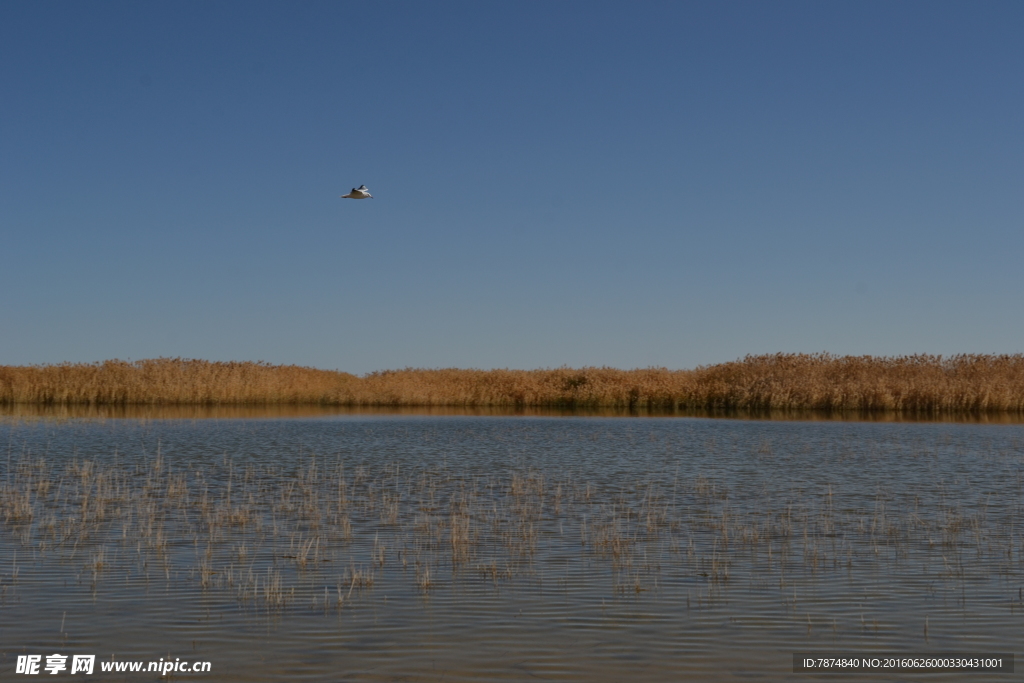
pixel 362 188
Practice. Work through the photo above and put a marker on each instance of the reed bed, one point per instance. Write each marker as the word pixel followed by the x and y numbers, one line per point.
pixel 319 535
pixel 920 384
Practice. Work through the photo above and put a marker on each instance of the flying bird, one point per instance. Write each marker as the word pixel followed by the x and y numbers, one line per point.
pixel 358 193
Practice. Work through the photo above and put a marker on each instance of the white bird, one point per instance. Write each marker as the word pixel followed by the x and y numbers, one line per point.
pixel 358 193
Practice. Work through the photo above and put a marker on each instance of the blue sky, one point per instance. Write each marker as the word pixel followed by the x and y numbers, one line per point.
pixel 650 184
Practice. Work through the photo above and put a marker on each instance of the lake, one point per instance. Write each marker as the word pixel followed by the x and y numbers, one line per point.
pixel 365 546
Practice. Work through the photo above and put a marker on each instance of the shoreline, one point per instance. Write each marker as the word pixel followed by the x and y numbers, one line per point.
pixel 273 411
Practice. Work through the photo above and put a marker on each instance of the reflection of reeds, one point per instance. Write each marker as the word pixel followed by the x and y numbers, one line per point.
pixel 929 384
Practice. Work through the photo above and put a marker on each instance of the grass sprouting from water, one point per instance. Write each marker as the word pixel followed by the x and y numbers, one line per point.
pixel 321 534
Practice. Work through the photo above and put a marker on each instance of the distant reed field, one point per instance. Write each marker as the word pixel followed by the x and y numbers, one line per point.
pixel 920 383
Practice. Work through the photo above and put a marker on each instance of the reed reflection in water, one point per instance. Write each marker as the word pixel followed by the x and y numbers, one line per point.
pixel 428 548
pixel 228 411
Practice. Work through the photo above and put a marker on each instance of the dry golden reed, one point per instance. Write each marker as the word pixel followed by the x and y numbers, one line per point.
pixel 920 383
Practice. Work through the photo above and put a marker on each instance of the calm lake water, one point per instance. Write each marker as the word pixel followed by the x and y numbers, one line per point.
pixel 370 547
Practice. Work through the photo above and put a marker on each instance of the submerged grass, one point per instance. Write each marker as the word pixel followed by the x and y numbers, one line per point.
pixel 914 384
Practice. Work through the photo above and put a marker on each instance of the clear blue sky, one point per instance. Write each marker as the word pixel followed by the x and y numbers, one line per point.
pixel 555 183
